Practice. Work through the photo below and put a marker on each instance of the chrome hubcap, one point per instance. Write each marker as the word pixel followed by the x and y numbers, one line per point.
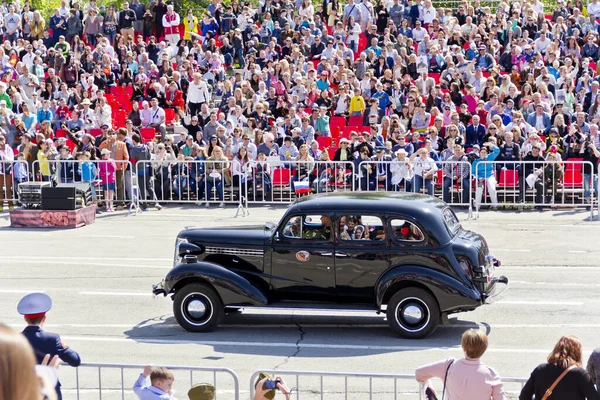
pixel 196 309
pixel 412 314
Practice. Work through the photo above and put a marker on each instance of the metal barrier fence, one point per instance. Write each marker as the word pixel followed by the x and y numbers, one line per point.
pixel 524 184
pixel 449 180
pixel 115 381
pixel 12 172
pixel 110 181
pixel 320 385
pixel 274 181
pixel 189 181
pixel 535 184
pixel 233 182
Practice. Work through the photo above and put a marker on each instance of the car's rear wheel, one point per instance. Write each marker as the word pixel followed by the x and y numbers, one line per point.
pixel 198 308
pixel 413 313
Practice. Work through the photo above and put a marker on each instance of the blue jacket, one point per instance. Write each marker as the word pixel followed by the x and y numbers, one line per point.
pixel 475 137
pixel 545 117
pixel 50 343
pixel 482 169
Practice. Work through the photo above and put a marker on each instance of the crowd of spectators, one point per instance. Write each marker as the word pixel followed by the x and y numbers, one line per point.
pixel 240 84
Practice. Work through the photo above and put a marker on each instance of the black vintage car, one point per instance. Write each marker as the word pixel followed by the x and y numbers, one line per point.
pixel 403 253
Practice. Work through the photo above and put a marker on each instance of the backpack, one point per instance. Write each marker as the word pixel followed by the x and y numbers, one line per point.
pixel 139 153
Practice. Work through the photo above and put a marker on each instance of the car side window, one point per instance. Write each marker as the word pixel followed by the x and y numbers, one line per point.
pixel 361 227
pixel 406 231
pixel 311 227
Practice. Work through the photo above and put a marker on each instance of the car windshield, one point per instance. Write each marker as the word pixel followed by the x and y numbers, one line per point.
pixel 451 222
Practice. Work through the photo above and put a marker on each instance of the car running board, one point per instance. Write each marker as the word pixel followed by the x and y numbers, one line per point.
pixel 287 305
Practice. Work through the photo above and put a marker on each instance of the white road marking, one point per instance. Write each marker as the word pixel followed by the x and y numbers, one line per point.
pixel 165 267
pixel 559 268
pixel 84 258
pixel 21 291
pixel 579 251
pixel 282 311
pixel 513 250
pixel 142 341
pixel 258 325
pixel 108 237
pixel 91 293
pixel 557 284
pixel 541 303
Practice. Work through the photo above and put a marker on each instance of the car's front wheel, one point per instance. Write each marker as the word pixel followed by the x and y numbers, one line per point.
pixel 413 313
pixel 198 308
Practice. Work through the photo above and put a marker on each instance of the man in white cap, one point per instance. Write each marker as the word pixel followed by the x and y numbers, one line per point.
pixel 34 307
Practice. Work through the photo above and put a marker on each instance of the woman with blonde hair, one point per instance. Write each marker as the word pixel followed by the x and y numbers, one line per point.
pixel 468 377
pixel 562 376
pixel 18 380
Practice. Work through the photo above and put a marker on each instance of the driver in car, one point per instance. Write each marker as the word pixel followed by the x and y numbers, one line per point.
pixel 322 233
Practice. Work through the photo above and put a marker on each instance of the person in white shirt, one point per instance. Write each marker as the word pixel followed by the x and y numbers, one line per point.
pixel 593 9
pixel 171 25
pixel 87 114
pixel 157 119
pixel 197 94
pixel 542 43
pixel 102 113
pixel 28 58
pixel 429 13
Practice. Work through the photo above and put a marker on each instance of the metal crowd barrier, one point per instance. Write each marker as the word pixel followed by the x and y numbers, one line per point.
pixel 528 184
pixel 555 184
pixel 448 180
pixel 187 181
pixel 312 385
pixel 94 172
pixel 12 172
pixel 275 181
pixel 115 381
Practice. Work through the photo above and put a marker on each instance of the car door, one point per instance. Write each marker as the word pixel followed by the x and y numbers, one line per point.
pixel 361 256
pixel 302 259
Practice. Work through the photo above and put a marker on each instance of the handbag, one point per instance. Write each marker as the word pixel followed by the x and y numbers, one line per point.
pixel 551 388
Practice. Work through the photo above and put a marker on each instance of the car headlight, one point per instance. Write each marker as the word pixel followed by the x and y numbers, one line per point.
pixel 178 242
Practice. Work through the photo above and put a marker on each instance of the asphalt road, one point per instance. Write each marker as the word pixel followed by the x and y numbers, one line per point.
pixel 100 278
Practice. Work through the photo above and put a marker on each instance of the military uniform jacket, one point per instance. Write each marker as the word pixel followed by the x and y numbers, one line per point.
pixel 49 343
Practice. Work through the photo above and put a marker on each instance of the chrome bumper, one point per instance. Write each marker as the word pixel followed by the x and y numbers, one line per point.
pixel 497 290
pixel 158 289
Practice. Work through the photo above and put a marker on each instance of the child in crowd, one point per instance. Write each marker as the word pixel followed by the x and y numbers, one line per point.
pixel 161 382
pixel 66 173
pixel 20 170
pixel 87 170
pixel 323 122
pixel 106 170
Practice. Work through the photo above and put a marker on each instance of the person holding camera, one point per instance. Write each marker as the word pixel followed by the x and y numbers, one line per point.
pixel 267 388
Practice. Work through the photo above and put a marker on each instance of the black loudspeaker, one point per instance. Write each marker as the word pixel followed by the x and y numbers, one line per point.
pixel 66 196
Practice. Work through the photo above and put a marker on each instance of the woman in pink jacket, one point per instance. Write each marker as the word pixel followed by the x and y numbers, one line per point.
pixel 467 378
pixel 106 171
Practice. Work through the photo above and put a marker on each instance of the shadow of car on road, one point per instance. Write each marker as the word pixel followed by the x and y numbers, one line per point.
pixel 313 335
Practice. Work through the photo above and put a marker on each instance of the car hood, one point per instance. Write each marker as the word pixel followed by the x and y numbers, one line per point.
pixel 249 235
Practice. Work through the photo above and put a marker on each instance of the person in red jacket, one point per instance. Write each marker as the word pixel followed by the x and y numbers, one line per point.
pixel 174 98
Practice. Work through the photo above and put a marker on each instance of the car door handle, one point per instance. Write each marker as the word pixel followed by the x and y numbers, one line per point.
pixel 341 255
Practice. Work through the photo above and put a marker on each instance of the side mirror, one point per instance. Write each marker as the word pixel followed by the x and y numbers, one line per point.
pixel 276 236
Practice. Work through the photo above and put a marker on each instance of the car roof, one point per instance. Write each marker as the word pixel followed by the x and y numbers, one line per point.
pixel 413 204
